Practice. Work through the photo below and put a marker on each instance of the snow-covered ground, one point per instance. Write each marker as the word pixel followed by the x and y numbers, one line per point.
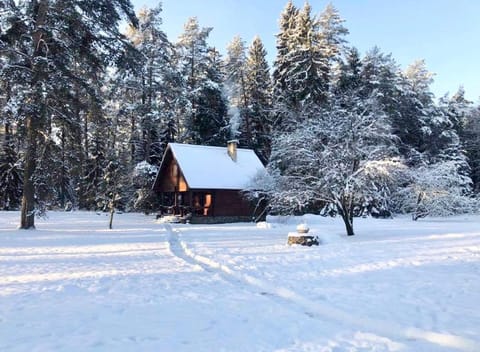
pixel 398 285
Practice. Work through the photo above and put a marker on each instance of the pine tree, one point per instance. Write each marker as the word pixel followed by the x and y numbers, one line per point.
pixel 380 75
pixel 308 49
pixel 438 137
pixel 96 163
pixel 308 71
pixel 86 105
pixel 157 88
pixel 10 176
pixel 259 93
pixel 10 161
pixel 457 108
pixel 471 140
pixel 409 104
pixel 205 111
pixel 440 182
pixel 42 39
pixel 350 73
pixel 211 125
pixel 285 45
pixel 332 34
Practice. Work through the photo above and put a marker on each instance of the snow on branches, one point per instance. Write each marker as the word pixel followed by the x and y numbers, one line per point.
pixel 342 157
pixel 437 189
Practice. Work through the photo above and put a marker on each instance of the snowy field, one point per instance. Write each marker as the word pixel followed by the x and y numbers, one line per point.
pixel 74 285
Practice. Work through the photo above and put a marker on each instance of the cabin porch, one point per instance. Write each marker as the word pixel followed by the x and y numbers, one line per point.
pixel 205 206
pixel 195 203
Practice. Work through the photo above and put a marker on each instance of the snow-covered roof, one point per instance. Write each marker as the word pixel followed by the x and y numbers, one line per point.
pixel 212 168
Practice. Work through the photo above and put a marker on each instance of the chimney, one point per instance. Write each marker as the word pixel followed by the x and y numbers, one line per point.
pixel 232 149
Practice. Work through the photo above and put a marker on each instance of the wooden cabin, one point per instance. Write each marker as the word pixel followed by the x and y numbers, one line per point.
pixel 203 184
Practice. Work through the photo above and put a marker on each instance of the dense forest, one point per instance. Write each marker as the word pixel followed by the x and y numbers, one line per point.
pixel 86 112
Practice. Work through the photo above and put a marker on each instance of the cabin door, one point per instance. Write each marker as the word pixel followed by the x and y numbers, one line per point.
pixel 203 203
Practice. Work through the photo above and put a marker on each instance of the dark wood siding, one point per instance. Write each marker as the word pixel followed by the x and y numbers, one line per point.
pixel 231 203
pixel 171 177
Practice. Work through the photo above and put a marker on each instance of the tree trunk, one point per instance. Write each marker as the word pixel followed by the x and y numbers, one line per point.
pixel 27 217
pixel 8 116
pixel 112 211
pixel 77 145
pixel 418 213
pixel 112 202
pixel 63 175
pixel 348 225
pixel 132 135
pixel 346 212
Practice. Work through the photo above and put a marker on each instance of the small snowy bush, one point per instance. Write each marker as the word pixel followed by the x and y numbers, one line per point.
pixel 438 190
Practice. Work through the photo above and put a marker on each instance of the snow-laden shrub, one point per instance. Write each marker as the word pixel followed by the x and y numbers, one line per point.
pixel 144 174
pixel 143 177
pixel 438 189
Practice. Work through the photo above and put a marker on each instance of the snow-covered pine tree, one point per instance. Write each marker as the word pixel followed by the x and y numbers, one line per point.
pixel 124 102
pixel 42 38
pixel 415 105
pixel 308 49
pixel 211 124
pixel 158 88
pixel 332 35
pixel 349 73
pixel 86 104
pixel 192 51
pixel 307 71
pixel 380 75
pixel 465 123
pixel 96 160
pixel 380 72
pixel 249 89
pixel 204 114
pixel 471 142
pixel 58 150
pixel 287 23
pixel 259 93
pixel 457 108
pixel 10 163
pixel 438 135
pixel 440 183
pixel 10 175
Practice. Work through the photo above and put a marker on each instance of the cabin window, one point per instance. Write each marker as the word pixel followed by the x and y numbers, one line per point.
pixel 208 204
pixel 202 203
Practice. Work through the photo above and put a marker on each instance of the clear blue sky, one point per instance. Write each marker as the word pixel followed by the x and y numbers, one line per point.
pixel 446 33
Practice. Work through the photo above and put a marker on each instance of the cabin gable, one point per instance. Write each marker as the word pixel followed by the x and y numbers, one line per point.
pixel 170 177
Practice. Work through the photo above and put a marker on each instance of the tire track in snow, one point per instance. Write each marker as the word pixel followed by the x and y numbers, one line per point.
pixel 311 308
